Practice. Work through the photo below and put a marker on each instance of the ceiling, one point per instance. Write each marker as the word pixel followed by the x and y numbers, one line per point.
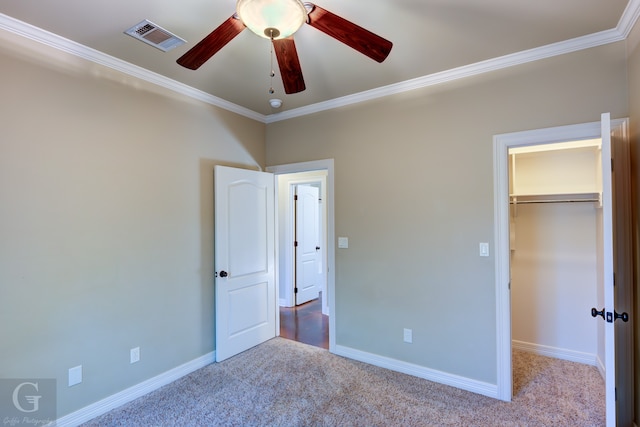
pixel 429 37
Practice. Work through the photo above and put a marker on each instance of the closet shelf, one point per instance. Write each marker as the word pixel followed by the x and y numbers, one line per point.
pixel 521 199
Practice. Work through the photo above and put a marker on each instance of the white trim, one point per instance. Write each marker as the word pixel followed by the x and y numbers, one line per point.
pixel 629 18
pixel 502 272
pixel 621 32
pixel 440 377
pixel 548 51
pixel 288 251
pixel 125 396
pixel 601 368
pixel 557 353
pixel 57 42
pixel 331 255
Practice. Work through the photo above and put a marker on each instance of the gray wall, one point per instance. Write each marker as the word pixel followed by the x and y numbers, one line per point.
pixel 414 194
pixel 106 218
pixel 106 221
pixel 554 279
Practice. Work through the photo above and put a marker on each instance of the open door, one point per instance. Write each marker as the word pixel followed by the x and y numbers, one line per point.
pixel 619 296
pixel 245 293
pixel 307 244
pixel 605 273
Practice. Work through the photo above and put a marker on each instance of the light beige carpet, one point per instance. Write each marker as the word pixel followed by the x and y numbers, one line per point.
pixel 285 383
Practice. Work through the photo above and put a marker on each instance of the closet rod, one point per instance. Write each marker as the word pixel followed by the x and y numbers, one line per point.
pixel 523 202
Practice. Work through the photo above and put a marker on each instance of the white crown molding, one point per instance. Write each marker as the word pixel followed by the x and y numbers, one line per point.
pixel 629 18
pixel 560 48
pixel 621 32
pixel 55 41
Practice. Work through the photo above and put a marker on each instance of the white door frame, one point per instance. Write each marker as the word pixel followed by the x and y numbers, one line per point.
pixel 288 298
pixel 501 146
pixel 318 165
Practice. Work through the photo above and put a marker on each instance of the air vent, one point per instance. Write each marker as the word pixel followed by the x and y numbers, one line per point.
pixel 155 35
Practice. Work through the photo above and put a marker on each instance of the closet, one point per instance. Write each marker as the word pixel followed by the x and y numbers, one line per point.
pixel 555 192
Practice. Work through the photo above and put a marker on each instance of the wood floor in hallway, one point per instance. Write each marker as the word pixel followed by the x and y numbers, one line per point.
pixel 306 324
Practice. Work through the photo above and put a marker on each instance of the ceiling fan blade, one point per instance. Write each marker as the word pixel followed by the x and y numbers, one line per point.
pixel 289 64
pixel 354 36
pixel 207 47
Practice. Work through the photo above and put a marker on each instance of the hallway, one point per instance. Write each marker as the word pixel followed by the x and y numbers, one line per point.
pixel 306 324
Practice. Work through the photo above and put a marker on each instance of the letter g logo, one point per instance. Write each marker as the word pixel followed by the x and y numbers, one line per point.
pixel 33 400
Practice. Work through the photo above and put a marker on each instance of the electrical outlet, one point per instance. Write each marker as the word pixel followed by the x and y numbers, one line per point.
pixel 134 355
pixel 408 335
pixel 75 375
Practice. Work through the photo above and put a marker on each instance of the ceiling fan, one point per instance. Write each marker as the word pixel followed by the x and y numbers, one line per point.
pixel 278 20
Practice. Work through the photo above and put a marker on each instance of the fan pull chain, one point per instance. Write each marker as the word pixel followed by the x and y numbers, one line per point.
pixel 273 73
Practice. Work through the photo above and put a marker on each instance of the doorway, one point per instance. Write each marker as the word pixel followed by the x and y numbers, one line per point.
pixel 302 237
pixel 616 369
pixel 554 198
pixel 319 174
pixel 502 144
pixel 305 323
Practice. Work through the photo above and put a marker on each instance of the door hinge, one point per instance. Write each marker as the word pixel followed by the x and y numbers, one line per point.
pixel 295 197
pixel 615 393
pixel 295 290
pixel 295 243
pixel 611 165
pixel 614 279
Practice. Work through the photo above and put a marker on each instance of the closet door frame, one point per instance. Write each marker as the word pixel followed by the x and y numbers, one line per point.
pixel 501 146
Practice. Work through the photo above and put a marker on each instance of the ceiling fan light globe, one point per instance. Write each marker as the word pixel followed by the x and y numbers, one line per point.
pixel 287 16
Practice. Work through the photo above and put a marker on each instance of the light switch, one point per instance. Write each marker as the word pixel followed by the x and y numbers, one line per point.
pixel 484 249
pixel 343 242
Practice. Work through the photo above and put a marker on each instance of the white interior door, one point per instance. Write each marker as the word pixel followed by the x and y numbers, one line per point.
pixel 623 273
pixel 307 244
pixel 605 273
pixel 618 273
pixel 245 293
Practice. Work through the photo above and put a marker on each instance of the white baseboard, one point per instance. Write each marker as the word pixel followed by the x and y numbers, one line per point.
pixel 556 352
pixel 475 386
pixel 600 367
pixel 125 396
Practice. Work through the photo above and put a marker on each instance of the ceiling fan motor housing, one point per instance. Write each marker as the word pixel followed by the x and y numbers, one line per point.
pixel 278 20
pixel 272 19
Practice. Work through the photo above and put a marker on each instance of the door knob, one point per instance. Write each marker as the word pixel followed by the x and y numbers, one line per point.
pixel 223 273
pixel 623 316
pixel 596 313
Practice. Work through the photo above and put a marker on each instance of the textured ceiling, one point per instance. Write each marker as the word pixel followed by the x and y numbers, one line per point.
pixel 429 36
